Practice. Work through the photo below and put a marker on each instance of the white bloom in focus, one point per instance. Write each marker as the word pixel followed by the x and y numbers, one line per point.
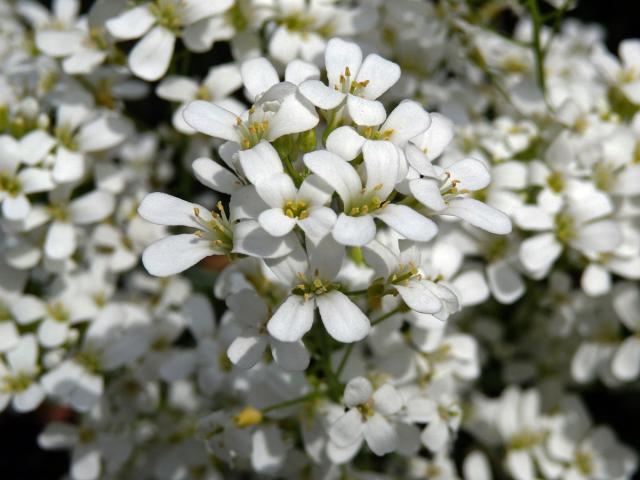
pixel 311 277
pixel 353 82
pixel 363 201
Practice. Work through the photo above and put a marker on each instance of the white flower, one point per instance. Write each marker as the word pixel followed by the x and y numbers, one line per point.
pixel 278 107
pixel 354 82
pixel 626 361
pixel 364 201
pixel 311 277
pixel 251 311
pixel 220 82
pixel 440 410
pixel 302 27
pixel 16 183
pixel 19 378
pixel 369 417
pixel 625 72
pixel 580 225
pixel 159 22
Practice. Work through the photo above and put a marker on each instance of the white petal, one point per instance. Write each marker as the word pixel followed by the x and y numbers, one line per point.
pixel 258 76
pixel 437 137
pixel 292 356
pixel 24 358
pixel 626 361
pixel 435 436
pixel 354 231
pixel 470 173
pixel 59 43
pixel 212 120
pixel 601 236
pixel 246 351
pixel 381 74
pixel 223 80
pixel 268 450
pixel 479 215
pixel 595 280
pixel 380 435
pixel 276 190
pixel 345 142
pixel 131 23
pixel 29 399
pixel 292 319
pixel 298 71
pixel 177 89
pixel 9 336
pixel 215 176
pixel 92 207
pixel 68 166
pixel 406 121
pixel 422 409
pixel 471 288
pixel 626 303
pixel 275 222
pixel 427 192
pixel 338 56
pixel 365 112
pixel 151 56
pixel 336 172
pixel 520 465
pixel 251 239
pixel 296 114
pixel 387 400
pixel 381 162
pixel 35 180
pixel 357 392
pixel 52 333
pixel 409 223
pixel 419 298
pixel 60 242
pixel 343 320
pixel 196 10
pixel 260 162
pixel 57 435
pixel 27 309
pixel 103 132
pixel 532 217
pixel 319 222
pixel 347 429
pixel 505 282
pixel 164 209
pixel 16 208
pixel 321 95
pixel 85 463
pixel 539 252
pixel 35 146
pixel 175 254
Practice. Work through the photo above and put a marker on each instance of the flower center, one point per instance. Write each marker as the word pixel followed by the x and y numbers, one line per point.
pixel 348 85
pixel 167 13
pixel 58 312
pixel 236 17
pixel 15 383
pixel 311 287
pixel 218 230
pixel 556 182
pixel 296 209
pixel 524 440
pixel 366 410
pixel 255 129
pixel 204 93
pixel 10 184
pixel 89 361
pixel 584 463
pixel 565 227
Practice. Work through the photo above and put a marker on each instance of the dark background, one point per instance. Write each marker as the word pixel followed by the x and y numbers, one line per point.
pixel 21 459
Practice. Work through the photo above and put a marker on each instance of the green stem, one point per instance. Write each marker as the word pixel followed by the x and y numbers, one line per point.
pixel 289 403
pixel 537 45
pixel 343 360
pixel 357 292
pixel 387 315
pixel 335 387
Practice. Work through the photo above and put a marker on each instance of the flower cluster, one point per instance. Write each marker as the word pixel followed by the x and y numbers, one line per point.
pixel 318 239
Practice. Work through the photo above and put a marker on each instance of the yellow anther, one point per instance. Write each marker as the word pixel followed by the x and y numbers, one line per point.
pixel 196 212
pixel 347 71
pixel 248 417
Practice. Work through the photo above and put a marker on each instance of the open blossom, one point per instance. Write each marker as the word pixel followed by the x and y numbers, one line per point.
pixel 368 418
pixel 311 276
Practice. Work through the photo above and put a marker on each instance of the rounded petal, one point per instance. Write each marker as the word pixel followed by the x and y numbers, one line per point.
pixel 479 215
pixel 275 222
pixel 539 252
pixel 258 76
pixel 345 142
pixel 175 254
pixel 419 298
pixel 354 231
pixel 292 319
pixel 292 356
pixel 626 361
pixel 407 222
pixel 151 56
pixel 211 119
pixel 92 207
pixel 347 429
pixel 380 435
pixel 406 121
pixel 340 55
pixel 365 112
pixel 344 321
pixel 357 392
pixel 164 209
pixel 381 74
pixel 387 400
pixel 321 95
pixel 131 23
pixel 246 350
pixel 60 242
